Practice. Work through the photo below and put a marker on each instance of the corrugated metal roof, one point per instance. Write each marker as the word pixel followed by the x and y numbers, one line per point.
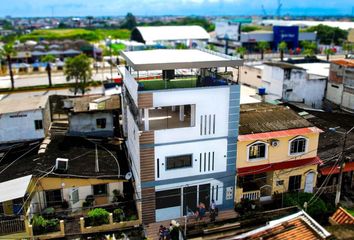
pixel 265 117
pixel 14 189
pixel 170 33
pixel 344 62
pixel 342 217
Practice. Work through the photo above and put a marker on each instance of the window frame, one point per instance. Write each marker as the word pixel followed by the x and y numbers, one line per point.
pixel 180 155
pixel 102 194
pixel 38 122
pixel 260 158
pixel 78 195
pixel 298 153
pixel 98 125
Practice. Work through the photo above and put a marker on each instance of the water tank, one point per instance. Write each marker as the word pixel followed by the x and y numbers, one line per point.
pixel 261 91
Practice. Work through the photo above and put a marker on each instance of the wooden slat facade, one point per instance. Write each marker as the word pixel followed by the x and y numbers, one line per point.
pixel 148 205
pixel 147 137
pixel 147 164
pixel 145 100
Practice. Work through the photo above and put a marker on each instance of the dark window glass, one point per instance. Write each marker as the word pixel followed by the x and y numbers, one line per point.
pixel 298 146
pixel 168 198
pixel 100 189
pixel 53 197
pixel 101 123
pixel 179 161
pixel 38 124
pixel 294 183
pixel 257 151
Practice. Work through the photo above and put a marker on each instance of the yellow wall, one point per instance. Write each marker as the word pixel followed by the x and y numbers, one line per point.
pixel 276 154
pixel 56 183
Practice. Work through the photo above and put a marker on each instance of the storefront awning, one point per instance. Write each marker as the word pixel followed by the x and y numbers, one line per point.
pixel 14 189
pixel 328 170
pixel 278 166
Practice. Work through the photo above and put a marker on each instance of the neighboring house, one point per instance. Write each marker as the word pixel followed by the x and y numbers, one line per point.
pixel 62 173
pixel 181 129
pixel 340 87
pixel 93 115
pixel 276 152
pixel 251 75
pixel 298 226
pixel 24 120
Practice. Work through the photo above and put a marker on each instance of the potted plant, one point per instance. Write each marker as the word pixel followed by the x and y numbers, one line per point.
pixel 118 215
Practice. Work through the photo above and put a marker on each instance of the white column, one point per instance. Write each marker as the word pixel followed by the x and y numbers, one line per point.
pixel 173 108
pixel 192 115
pixel 181 113
pixel 146 119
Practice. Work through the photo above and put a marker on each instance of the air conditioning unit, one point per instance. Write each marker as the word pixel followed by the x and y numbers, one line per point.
pixel 274 142
pixel 61 164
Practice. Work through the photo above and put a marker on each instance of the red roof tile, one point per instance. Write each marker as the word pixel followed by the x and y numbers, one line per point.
pixel 278 166
pixel 342 217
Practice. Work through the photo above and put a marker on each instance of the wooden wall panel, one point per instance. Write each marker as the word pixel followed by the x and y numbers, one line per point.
pixel 148 205
pixel 147 137
pixel 147 164
pixel 145 100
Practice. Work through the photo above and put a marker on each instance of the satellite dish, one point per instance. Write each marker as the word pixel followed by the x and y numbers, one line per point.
pixel 128 176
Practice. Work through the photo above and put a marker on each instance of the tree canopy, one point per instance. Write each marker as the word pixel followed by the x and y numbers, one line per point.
pixel 79 69
pixel 129 22
pixel 328 35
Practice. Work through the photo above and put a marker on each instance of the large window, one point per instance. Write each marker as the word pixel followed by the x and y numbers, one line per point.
pixel 181 161
pixel 294 183
pixel 168 198
pixel 53 197
pixel 298 146
pixel 38 124
pixel 257 150
pixel 100 189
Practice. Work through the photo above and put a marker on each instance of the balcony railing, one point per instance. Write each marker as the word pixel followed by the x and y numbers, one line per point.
pixel 252 195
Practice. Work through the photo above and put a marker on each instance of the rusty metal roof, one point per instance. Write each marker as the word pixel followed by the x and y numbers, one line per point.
pixel 82 104
pixel 341 217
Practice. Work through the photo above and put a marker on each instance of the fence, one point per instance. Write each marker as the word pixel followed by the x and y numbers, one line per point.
pixel 11 226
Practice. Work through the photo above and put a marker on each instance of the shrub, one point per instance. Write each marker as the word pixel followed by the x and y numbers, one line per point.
pixel 98 216
pixel 41 225
pixel 118 215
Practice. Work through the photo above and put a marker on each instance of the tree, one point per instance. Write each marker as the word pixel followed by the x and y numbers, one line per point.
pixel 8 51
pixel 89 18
pixel 48 59
pixel 348 48
pixel 282 47
pixel 79 69
pixel 328 51
pixel 242 51
pixel 262 46
pixel 129 22
pixel 310 48
pixel 329 35
pixel 211 47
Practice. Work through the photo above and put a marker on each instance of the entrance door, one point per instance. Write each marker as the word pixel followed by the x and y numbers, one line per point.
pixel 309 182
pixel 189 199
pixel 294 183
pixel 204 195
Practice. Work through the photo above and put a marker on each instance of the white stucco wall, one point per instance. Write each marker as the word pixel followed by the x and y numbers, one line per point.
pixel 251 76
pixel 348 100
pixel 209 101
pixel 20 126
pixel 272 80
pixel 86 122
pixel 334 94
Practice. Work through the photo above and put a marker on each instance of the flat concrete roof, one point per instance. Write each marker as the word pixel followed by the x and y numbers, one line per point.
pixel 167 59
pixel 10 105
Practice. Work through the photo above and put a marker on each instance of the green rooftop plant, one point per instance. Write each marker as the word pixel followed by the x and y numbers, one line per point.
pixel 98 216
pixel 118 215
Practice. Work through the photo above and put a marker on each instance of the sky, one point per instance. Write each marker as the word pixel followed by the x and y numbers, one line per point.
pixel 33 8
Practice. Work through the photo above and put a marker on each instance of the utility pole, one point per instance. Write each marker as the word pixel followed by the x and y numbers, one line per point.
pixel 342 164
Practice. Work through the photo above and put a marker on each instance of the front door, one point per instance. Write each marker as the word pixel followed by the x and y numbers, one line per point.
pixel 190 199
pixel 204 195
pixel 309 182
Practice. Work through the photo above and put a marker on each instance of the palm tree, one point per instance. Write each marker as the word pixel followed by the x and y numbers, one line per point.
pixel 8 51
pixel 348 48
pixel 242 51
pixel 48 59
pixel 79 69
pixel 262 46
pixel 282 47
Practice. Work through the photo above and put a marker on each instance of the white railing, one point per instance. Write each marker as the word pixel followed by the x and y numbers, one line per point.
pixel 252 195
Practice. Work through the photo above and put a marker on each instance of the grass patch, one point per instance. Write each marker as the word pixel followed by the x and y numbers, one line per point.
pixel 77 33
pixel 351 211
pixel 176 83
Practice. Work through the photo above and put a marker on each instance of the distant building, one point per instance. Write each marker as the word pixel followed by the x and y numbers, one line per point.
pixel 93 115
pixel 276 152
pixel 340 87
pixel 24 120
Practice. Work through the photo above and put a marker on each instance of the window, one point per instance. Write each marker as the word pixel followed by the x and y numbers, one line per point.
pixel 101 123
pixel 279 183
pixel 298 145
pixel 38 124
pixel 168 198
pixel 75 195
pixel 53 197
pixel 334 86
pixel 179 161
pixel 294 183
pixel 257 151
pixel 100 189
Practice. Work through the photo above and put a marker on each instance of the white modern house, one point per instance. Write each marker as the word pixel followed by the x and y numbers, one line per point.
pixel 24 120
pixel 181 125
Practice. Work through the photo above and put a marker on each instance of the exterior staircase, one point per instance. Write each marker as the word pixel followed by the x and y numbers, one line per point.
pixel 58 128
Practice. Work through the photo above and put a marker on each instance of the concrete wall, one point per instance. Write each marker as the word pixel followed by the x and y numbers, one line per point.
pixel 251 76
pixel 276 154
pixel 348 99
pixel 272 80
pixel 334 92
pixel 85 124
pixel 20 126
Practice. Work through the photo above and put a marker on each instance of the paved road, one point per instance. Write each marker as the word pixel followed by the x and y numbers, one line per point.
pixel 57 78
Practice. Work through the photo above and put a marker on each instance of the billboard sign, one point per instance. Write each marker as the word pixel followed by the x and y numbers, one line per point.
pixel 288 34
pixel 227 30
